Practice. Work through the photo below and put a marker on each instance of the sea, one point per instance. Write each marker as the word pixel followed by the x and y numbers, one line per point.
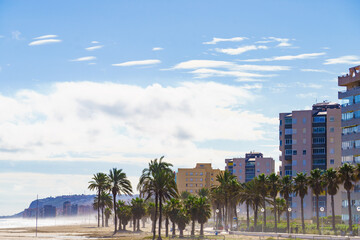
pixel 56 221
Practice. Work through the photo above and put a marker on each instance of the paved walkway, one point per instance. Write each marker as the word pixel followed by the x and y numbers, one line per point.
pixel 294 236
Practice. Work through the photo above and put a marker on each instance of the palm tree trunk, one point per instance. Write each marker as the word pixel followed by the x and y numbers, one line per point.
pixel 124 227
pixel 154 223
pixel 287 216
pixel 279 215
pixel 302 214
pixel 115 215
pixel 120 224
pixel 193 228
pixel 138 224
pixel 181 232
pixel 201 229
pixel 231 216
pixel 349 207
pixel 255 215
pixel 333 213
pixel 247 217
pixel 226 213
pixel 167 227
pixel 274 199
pixel 98 207
pixel 317 213
pixel 173 229
pixel 264 214
pixel 102 216
pixel 160 213
pixel 134 224
pixel 237 220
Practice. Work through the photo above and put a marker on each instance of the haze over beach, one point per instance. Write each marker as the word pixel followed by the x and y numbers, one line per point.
pixel 86 86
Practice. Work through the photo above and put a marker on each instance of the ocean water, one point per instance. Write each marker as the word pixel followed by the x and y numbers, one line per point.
pixel 57 221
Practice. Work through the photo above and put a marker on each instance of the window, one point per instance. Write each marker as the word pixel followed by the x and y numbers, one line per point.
pixel 304 152
pixel 347 159
pixel 304 130
pixel 212 179
pixel 349 130
pixel 191 174
pixel 201 185
pixel 288 152
pixel 332 151
pixel 319 119
pixel 331 140
pixel 318 151
pixel 294 162
pixel 288 141
pixel 240 170
pixel 304 120
pixel 318 130
pixel 288 131
pixel 288 121
pixel 201 179
pixel 304 162
pixel 357 114
pixel 267 164
pixel 319 161
pixel 304 141
pixel 234 164
pixel 347 116
pixel 280 122
pixel 191 184
pixel 201 173
pixel 190 190
pixel 332 129
pixel 332 161
pixel 332 119
pixel 318 140
pixel 258 164
pixel 267 170
pixel 186 174
pixel 357 99
pixel 294 152
pixel 240 177
pixel 357 143
pixel 280 133
pixel 347 145
pixel 294 121
pixel 191 179
pixel 280 142
pixel 258 170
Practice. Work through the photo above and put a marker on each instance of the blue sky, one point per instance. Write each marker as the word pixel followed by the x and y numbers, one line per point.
pixel 90 85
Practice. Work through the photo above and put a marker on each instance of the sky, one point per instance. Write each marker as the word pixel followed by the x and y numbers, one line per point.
pixel 86 86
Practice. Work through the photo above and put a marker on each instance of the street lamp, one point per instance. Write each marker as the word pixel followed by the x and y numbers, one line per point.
pixel 289 210
pixel 322 209
pixel 262 229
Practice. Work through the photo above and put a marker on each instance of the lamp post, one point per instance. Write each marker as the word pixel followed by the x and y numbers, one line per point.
pixel 322 209
pixel 358 210
pixel 262 229
pixel 289 210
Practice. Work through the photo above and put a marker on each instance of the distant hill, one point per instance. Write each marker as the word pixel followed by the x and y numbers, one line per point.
pixel 74 199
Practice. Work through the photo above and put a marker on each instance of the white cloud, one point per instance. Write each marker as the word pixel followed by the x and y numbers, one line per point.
pixel 110 122
pixel 94 47
pixel 217 40
pixel 44 41
pixel 308 85
pixel 137 63
pixel 283 42
pixel 46 36
pixel 94 42
pixel 240 50
pixel 349 59
pixel 81 59
pixel 314 70
pixel 16 35
pixel 307 95
pixel 157 49
pixel 193 64
pixel 286 58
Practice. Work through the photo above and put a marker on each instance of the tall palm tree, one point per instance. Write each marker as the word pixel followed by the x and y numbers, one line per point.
pixel 105 201
pixel 192 209
pixel 274 184
pixel 264 192
pixel 217 201
pixel 138 211
pixel 316 183
pixel 118 184
pixel 255 196
pixel 124 214
pixel 280 208
pixel 301 189
pixel 99 183
pixel 332 181
pixel 247 198
pixel 158 180
pixel 286 190
pixel 225 179
pixel 347 177
pixel 204 212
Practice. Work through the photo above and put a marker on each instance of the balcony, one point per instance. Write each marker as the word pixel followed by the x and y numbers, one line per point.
pixel 350 78
pixel 350 92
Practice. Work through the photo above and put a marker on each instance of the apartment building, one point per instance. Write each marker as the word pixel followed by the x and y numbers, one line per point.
pixel 311 139
pixel 350 125
pixel 252 165
pixel 193 179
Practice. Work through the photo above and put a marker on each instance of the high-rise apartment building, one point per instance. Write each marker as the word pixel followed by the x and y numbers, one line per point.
pixel 350 125
pixel 193 179
pixel 252 165
pixel 311 139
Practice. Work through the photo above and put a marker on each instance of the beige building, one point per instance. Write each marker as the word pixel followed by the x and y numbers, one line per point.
pixel 193 179
pixel 311 139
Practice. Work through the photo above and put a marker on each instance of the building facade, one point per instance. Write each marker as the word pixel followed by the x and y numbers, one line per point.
pixel 252 165
pixel 350 125
pixel 193 179
pixel 311 139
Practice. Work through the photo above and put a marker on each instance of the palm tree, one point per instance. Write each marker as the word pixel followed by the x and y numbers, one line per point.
pixel 274 184
pixel 166 212
pixel 317 185
pixel 151 211
pixel 192 209
pixel 99 183
pixel 107 216
pixel 184 195
pixel 105 201
pixel 246 197
pixel 118 184
pixel 182 219
pixel 124 214
pixel 280 207
pixel 217 200
pixel 301 189
pixel 225 178
pixel 138 211
pixel 332 181
pixel 119 205
pixel 254 194
pixel 158 180
pixel 264 192
pixel 204 192
pixel 347 177
pixel 286 190
pixel 204 212
pixel 174 208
